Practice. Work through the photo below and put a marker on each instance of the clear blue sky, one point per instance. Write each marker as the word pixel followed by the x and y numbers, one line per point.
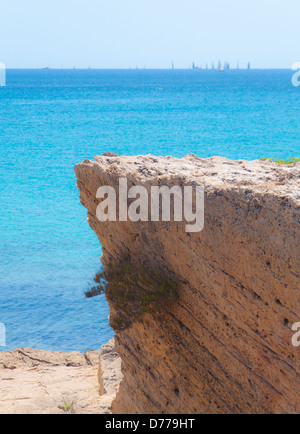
pixel 123 33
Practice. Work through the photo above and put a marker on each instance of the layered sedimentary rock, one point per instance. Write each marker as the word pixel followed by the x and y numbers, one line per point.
pixel 225 345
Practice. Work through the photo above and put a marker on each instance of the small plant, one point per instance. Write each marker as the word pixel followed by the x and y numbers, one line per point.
pixel 99 277
pixel 134 290
pixel 290 160
pixel 94 292
pixel 67 408
pixel 119 322
pixel 97 289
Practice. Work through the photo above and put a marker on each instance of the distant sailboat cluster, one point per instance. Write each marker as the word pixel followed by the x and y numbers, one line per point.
pixel 220 67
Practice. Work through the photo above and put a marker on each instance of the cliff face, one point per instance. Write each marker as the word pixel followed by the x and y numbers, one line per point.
pixel 225 345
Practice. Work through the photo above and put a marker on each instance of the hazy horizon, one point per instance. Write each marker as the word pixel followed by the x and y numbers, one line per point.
pixel 140 69
pixel 121 34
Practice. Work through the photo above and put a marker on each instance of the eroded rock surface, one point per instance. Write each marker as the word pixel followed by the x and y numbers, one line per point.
pixel 43 382
pixel 225 346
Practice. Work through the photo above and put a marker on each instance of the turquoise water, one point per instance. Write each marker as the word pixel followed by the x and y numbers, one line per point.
pixel 51 120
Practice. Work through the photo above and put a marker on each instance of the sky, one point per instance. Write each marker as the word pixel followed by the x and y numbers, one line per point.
pixel 148 33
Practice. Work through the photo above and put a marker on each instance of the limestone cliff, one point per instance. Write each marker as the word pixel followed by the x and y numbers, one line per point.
pixel 225 345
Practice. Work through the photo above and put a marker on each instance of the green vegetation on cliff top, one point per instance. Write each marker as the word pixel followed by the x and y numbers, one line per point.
pixel 290 160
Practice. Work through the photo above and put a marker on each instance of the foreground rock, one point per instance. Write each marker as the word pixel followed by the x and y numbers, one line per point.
pixel 225 345
pixel 43 382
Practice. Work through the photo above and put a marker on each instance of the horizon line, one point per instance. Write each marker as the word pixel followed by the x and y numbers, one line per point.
pixel 41 68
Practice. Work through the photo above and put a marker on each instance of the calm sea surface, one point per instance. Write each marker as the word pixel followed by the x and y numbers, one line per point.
pixel 50 120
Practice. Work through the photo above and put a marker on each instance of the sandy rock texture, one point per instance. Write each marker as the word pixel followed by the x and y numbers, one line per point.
pixel 43 382
pixel 225 345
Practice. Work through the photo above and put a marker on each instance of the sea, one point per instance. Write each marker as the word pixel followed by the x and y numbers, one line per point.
pixel 52 119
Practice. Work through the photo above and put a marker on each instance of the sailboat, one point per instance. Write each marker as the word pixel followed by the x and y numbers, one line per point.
pixel 220 66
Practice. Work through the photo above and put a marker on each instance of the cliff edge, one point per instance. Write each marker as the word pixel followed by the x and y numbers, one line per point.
pixel 224 343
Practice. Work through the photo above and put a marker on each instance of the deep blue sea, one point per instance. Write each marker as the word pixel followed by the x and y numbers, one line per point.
pixel 50 120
